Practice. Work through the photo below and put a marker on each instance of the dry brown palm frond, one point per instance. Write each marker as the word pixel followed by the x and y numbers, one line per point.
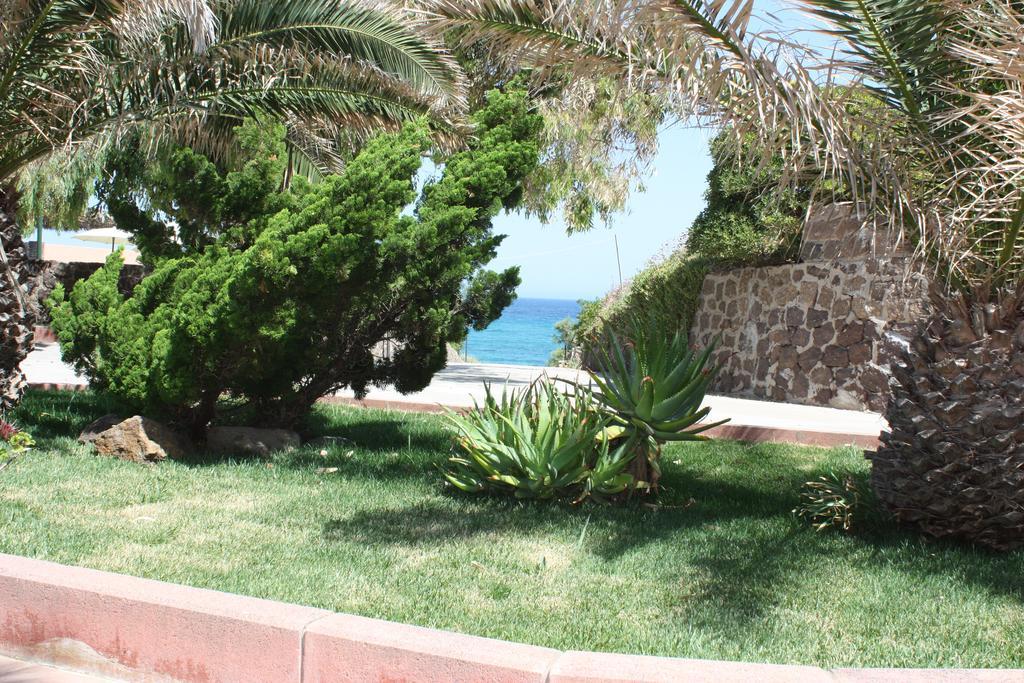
pixel 982 202
pixel 701 59
pixel 937 153
pixel 143 21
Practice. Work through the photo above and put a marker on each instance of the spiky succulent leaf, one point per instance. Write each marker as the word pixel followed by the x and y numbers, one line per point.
pixel 536 443
pixel 651 364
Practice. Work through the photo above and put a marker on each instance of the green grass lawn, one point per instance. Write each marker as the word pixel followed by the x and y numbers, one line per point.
pixel 722 571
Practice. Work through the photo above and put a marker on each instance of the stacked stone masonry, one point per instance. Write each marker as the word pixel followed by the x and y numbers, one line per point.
pixel 816 333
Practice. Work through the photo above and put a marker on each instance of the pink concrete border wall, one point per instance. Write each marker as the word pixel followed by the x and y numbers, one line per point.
pixel 142 630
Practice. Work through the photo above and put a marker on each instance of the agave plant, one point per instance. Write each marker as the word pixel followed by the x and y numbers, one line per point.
pixel 543 442
pixel 655 385
pixel 539 443
pixel 841 502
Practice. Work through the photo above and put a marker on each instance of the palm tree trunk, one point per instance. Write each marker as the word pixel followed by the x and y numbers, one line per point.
pixel 952 464
pixel 16 321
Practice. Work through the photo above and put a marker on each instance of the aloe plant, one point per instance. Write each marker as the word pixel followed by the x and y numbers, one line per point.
pixel 543 442
pixel 655 385
pixel 539 443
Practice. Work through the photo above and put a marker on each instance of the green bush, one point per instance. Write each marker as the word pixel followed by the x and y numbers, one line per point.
pixel 667 293
pixel 747 221
pixel 278 296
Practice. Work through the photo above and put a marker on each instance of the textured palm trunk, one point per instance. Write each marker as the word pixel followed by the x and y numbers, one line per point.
pixel 953 463
pixel 16 323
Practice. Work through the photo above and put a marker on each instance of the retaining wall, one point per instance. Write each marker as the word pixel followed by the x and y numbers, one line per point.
pixel 142 630
pixel 822 332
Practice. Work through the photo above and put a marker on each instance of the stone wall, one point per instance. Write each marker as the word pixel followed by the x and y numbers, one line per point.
pixel 821 332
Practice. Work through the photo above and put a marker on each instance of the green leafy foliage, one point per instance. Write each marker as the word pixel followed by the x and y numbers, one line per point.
pixel 538 443
pixel 567 333
pixel 588 125
pixel 747 220
pixel 277 297
pixel 13 442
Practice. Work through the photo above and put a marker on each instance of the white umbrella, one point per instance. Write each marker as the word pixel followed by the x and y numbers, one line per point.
pixel 113 236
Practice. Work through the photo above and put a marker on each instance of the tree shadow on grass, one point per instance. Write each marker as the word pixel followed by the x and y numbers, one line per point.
pixel 52 414
pixel 362 449
pixel 383 433
pixel 741 540
pixel 617 529
pixel 744 577
pixel 386 446
pixel 745 570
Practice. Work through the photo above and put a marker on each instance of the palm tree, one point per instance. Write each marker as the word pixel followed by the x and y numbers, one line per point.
pixel 81 72
pixel 939 156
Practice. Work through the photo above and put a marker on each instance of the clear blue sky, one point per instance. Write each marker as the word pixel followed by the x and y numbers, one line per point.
pixel 559 266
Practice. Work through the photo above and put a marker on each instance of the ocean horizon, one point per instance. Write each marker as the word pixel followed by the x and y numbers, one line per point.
pixel 523 335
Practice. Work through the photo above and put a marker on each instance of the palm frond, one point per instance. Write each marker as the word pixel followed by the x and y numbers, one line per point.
pixel 541 34
pixel 141 23
pixel 936 153
pixel 351 67
pixel 372 32
pixel 983 203
pixel 697 55
pixel 893 44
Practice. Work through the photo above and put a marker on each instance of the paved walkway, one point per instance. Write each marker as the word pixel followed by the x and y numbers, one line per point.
pixel 44 366
pixel 460 383
pixel 17 671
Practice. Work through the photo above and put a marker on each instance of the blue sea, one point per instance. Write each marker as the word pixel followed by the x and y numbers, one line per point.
pixel 524 334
